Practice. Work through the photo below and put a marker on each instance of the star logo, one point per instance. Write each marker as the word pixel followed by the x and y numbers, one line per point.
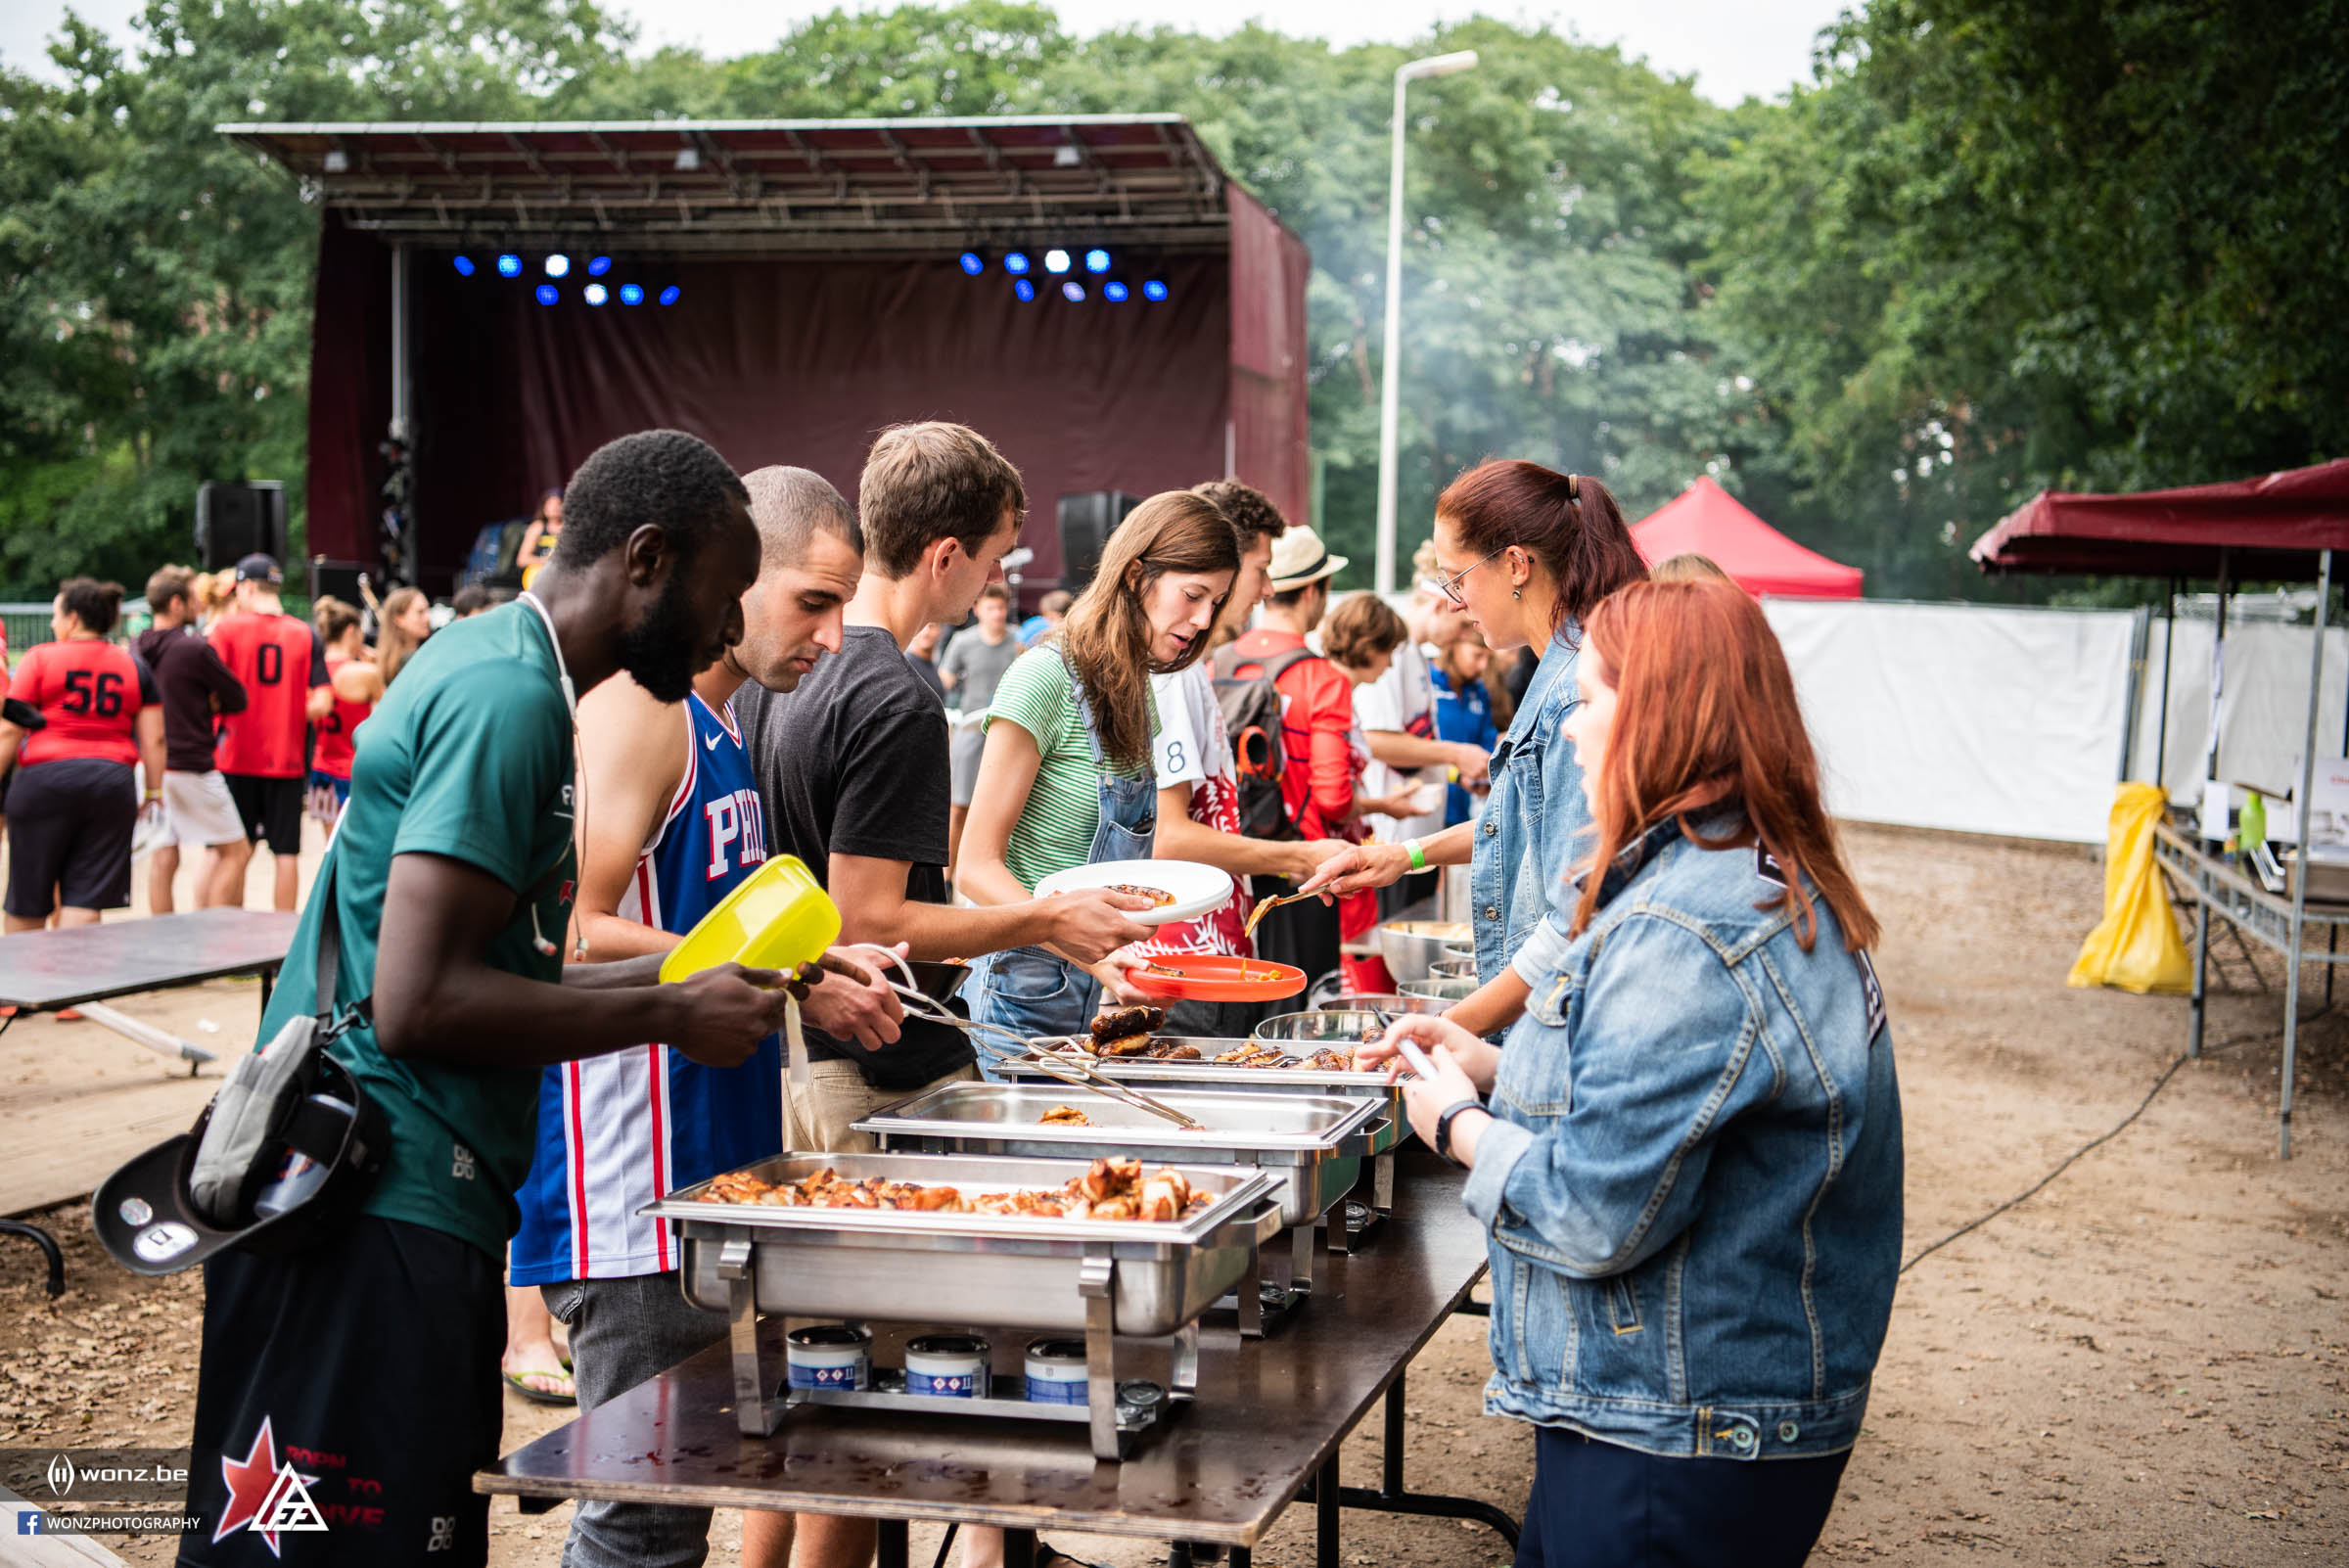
pixel 266 1498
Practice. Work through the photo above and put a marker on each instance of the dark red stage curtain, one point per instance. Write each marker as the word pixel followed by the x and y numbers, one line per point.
pixel 1269 269
pixel 351 391
pixel 804 361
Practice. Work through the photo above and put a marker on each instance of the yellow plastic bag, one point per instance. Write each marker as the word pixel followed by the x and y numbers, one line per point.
pixel 2136 947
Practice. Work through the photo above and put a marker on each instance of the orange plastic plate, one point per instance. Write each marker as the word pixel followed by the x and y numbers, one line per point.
pixel 1216 977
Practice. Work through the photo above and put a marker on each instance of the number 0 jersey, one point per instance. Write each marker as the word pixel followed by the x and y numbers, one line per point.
pixel 617 1132
pixel 279 659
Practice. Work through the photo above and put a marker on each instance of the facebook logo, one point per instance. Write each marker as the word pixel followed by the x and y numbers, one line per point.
pixel 29 1523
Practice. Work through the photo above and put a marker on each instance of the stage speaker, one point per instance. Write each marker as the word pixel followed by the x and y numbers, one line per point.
pixel 235 521
pixel 1086 523
pixel 341 578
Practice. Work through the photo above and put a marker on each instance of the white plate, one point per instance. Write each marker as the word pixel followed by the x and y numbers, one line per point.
pixel 1198 889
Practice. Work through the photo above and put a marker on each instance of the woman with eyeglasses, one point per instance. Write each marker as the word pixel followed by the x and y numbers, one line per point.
pixel 1687 1158
pixel 1527 552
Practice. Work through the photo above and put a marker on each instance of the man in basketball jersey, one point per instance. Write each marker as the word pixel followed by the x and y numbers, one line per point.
pixel 264 750
pixel 674 823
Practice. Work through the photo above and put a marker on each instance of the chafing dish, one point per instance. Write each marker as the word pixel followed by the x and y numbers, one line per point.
pixel 1315 1145
pixel 1385 1001
pixel 1101 1279
pixel 1158 1074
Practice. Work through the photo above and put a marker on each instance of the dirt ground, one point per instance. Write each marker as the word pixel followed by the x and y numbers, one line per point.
pixel 2141 1365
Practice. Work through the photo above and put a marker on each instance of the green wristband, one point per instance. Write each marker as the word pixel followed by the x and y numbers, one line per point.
pixel 1419 854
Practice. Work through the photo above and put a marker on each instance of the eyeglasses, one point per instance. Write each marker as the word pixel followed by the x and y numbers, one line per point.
pixel 1449 588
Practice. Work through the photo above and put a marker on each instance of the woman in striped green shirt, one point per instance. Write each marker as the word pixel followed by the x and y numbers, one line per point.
pixel 1066 777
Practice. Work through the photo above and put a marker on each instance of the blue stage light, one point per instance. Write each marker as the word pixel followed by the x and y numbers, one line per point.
pixel 598 266
pixel 558 265
pixel 548 294
pixel 1025 288
pixel 463 264
pixel 1096 261
pixel 1056 260
pixel 1015 262
pixel 973 263
pixel 594 294
pixel 668 295
pixel 632 294
pixel 1154 291
pixel 1116 293
pixel 1073 292
pixel 509 265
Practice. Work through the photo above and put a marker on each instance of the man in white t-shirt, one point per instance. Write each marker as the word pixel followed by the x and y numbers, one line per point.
pixel 1199 786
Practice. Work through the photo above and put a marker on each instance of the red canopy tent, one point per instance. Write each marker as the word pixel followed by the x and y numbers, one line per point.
pixel 2277 526
pixel 2267 528
pixel 1708 521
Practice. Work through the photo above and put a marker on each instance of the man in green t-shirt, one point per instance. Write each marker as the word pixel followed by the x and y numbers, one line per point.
pixel 364 1366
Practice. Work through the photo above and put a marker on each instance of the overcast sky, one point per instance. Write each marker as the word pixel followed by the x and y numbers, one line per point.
pixel 1732 47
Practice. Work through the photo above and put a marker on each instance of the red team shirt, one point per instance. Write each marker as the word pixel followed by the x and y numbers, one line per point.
pixel 280 660
pixel 335 733
pixel 89 691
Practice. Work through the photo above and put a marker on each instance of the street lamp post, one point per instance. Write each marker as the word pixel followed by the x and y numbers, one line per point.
pixel 1389 385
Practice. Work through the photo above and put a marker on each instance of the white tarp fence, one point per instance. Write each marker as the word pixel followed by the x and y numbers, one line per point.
pixel 1980 718
pixel 1990 718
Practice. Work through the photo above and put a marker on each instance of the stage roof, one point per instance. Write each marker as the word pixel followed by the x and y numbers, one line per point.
pixel 917 186
pixel 2267 528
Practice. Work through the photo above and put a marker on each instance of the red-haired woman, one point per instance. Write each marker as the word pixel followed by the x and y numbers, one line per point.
pixel 1687 1158
pixel 1526 551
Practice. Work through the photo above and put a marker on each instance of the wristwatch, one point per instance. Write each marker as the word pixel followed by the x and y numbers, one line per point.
pixel 1444 1127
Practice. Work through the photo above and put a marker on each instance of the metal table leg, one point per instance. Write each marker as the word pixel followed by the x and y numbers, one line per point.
pixel 2193 1037
pixel 1393 1496
pixel 1327 1502
pixel 894 1543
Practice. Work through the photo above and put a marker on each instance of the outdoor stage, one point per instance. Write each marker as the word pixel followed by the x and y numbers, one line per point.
pixel 784 290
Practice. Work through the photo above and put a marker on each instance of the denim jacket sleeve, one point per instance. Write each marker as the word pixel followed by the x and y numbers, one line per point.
pixel 1606 1115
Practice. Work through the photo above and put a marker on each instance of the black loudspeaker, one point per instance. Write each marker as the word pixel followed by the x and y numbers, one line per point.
pixel 1086 523
pixel 235 521
pixel 340 578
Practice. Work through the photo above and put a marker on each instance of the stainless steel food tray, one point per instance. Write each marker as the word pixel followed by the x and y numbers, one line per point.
pixel 1136 1278
pixel 1151 1072
pixel 1314 1143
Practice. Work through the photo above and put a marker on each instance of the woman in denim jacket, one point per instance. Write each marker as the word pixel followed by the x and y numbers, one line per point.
pixel 1526 551
pixel 1687 1157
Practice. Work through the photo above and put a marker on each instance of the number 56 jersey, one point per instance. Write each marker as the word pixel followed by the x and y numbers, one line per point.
pixel 617 1132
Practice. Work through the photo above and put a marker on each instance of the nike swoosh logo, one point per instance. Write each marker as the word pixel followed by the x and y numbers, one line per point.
pixel 710 743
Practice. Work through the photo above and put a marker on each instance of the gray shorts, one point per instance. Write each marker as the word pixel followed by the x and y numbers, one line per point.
pixel 964 749
pixel 198 809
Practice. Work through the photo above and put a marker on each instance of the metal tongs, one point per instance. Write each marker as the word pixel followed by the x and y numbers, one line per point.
pixel 1069 1068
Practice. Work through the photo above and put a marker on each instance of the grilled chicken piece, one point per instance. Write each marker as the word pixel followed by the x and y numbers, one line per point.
pixel 1159 897
pixel 1120 1022
pixel 1168 1050
pixel 1124 1045
pixel 1065 1115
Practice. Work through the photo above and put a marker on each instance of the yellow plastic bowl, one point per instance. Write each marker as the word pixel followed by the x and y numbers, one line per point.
pixel 777 919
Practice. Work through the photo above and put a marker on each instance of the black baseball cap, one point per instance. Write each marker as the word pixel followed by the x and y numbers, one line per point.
pixel 260 569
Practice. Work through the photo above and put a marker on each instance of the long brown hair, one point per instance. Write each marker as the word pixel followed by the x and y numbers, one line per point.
pixel 392 646
pixel 1106 638
pixel 1568 522
pixel 1706 718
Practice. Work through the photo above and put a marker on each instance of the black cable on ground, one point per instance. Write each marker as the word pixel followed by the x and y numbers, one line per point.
pixel 2073 1158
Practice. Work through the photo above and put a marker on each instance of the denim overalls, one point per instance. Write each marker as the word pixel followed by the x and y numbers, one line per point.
pixel 1029 990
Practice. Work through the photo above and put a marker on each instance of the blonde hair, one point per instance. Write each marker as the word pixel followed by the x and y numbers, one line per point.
pixel 1360 629
pixel 394 648
pixel 1689 566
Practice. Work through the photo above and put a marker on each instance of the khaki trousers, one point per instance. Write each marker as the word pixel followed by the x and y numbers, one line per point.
pixel 821 1117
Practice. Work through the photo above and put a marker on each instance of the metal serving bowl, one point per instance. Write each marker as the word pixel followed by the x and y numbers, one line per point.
pixel 1333 1026
pixel 1384 1002
pixel 1452 969
pixel 1444 992
pixel 1459 949
pixel 1410 946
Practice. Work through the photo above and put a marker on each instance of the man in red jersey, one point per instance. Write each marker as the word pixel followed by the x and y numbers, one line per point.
pixel 264 750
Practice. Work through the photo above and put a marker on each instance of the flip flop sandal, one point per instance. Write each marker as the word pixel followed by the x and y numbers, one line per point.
pixel 536 1396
